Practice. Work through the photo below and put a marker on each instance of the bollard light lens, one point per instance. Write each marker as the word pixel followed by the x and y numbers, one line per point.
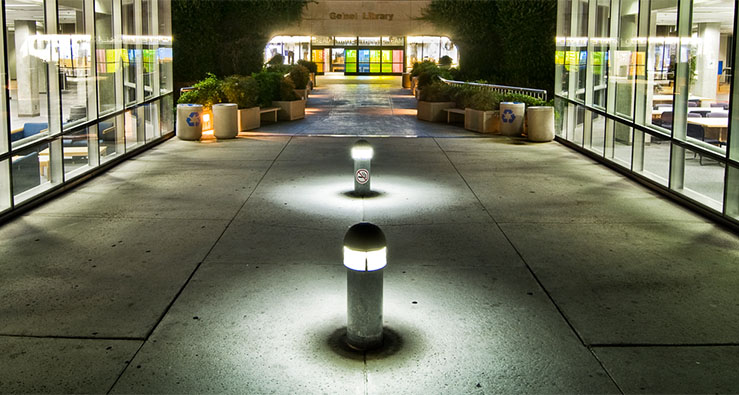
pixel 365 261
pixel 362 153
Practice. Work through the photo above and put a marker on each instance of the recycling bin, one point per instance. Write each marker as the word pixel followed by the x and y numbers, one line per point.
pixel 511 118
pixel 189 121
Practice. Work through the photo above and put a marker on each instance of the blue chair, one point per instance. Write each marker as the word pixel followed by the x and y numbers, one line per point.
pixel 28 130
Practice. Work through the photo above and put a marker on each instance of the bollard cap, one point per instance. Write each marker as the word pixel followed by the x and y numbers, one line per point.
pixel 365 247
pixel 362 150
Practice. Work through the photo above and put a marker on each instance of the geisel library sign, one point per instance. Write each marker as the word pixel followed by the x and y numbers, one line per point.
pixel 362 37
pixel 365 15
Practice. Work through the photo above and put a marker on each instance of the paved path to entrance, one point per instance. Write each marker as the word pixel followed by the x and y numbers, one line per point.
pixel 368 106
pixel 216 267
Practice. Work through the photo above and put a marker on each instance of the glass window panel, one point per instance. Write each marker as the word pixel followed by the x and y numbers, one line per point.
pixel 26 72
pixel 131 127
pixel 578 46
pixel 5 200
pixel 4 144
pixel 30 171
pixel 387 56
pixel 560 123
pixel 166 115
pixel 710 51
pixel 364 55
pixel 351 67
pixel 78 152
pixel 111 137
pixel 622 142
pixel 387 68
pixel 164 57
pixel 732 192
pixel 655 163
pixel 374 56
pixel 76 77
pixel 148 48
pixel 564 28
pixel 151 120
pixel 703 179
pixel 398 56
pixel 129 52
pixel 363 68
pixel 374 67
pixel 108 58
pixel 598 134
pixel 662 53
pixel 624 60
pixel 351 55
pixel 600 50
pixel 397 67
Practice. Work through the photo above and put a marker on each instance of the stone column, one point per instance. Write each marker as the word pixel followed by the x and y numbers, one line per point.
pixel 706 62
pixel 26 69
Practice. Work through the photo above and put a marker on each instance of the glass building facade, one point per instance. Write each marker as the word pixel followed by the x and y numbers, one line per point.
pixel 86 83
pixel 647 86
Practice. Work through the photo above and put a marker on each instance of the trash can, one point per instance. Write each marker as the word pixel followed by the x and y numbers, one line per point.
pixel 407 80
pixel 189 124
pixel 540 122
pixel 511 118
pixel 225 120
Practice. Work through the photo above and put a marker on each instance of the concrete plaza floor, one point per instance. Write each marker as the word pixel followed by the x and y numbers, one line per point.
pixel 513 267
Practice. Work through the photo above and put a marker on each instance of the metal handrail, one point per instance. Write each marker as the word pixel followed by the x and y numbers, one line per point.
pixel 537 93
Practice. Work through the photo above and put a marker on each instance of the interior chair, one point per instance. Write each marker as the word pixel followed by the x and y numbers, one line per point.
pixel 718 114
pixel 666 119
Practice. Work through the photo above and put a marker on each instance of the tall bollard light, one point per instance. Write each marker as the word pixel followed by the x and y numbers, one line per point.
pixel 365 256
pixel 362 154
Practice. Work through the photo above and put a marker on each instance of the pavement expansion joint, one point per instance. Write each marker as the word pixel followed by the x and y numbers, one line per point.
pixel 105 338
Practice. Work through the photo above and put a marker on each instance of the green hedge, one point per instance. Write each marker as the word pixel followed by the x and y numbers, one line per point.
pixel 507 42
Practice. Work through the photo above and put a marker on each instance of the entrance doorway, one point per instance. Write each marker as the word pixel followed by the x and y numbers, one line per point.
pixel 337 59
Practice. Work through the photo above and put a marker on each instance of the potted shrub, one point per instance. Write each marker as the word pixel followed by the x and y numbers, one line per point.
pixel 291 106
pixel 269 88
pixel 244 91
pixel 433 100
pixel 481 112
pixel 445 62
pixel 312 70
pixel 206 92
pixel 300 77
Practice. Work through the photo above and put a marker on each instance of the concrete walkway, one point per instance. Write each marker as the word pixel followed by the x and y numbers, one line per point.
pixel 512 268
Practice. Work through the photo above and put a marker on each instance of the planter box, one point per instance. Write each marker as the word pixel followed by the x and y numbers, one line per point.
pixel 433 111
pixel 249 119
pixel 291 110
pixel 302 93
pixel 482 121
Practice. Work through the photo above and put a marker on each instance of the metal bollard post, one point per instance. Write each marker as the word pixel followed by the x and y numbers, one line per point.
pixel 362 154
pixel 365 256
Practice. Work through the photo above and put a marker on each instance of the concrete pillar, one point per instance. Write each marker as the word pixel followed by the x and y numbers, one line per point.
pixel 26 69
pixel 706 62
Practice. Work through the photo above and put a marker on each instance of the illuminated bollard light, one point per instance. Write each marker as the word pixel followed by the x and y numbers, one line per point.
pixel 365 256
pixel 362 154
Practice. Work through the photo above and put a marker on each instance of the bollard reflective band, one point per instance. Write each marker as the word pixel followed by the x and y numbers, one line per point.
pixel 365 261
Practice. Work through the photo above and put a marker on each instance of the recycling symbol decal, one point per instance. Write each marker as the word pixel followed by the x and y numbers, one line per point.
pixel 193 119
pixel 508 116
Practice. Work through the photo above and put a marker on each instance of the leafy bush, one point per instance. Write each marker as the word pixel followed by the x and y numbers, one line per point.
pixel 420 67
pixel 461 95
pixel 445 61
pixel 300 76
pixel 437 92
pixel 242 90
pixel 484 100
pixel 311 66
pixel 269 87
pixel 287 90
pixel 276 60
pixel 206 92
pixel 520 98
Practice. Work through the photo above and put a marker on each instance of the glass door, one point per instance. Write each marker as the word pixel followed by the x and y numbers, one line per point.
pixel 337 59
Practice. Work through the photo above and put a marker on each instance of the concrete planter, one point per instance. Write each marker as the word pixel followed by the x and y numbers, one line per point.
pixel 540 123
pixel 482 121
pixel 249 119
pixel 417 93
pixel 291 110
pixel 433 111
pixel 225 120
pixel 302 93
pixel 511 118
pixel 189 121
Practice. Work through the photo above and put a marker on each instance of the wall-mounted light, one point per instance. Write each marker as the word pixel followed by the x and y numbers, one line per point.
pixel 365 257
pixel 362 153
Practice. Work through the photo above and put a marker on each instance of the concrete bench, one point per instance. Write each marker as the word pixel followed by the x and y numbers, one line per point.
pixel 450 111
pixel 266 110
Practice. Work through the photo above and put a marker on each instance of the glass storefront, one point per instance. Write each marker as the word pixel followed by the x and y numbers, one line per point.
pixel 647 86
pixel 353 55
pixel 86 82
